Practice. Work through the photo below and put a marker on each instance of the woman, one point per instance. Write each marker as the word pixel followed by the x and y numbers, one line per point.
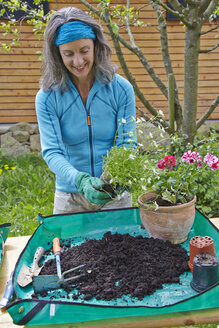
pixel 81 109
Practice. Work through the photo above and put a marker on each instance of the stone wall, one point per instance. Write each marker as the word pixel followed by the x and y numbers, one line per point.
pixel 20 138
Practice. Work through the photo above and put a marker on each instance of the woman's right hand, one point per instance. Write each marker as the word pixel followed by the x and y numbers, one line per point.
pixel 86 185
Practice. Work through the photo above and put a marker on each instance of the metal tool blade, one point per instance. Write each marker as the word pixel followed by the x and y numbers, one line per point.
pixel 45 283
pixel 26 273
pixel 49 282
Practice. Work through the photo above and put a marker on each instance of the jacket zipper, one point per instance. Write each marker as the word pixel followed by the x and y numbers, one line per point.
pixel 90 136
pixel 90 140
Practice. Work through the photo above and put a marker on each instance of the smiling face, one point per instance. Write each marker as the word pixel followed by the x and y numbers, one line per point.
pixel 78 58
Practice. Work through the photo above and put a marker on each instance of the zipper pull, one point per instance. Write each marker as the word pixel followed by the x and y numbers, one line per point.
pixel 88 120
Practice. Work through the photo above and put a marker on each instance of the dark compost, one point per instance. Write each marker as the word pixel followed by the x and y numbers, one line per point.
pixel 120 264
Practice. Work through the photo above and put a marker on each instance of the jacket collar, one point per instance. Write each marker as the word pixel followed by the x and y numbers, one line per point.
pixel 96 87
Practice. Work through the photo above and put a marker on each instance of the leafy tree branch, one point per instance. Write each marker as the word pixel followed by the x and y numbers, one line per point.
pixel 209 10
pixel 178 12
pixel 130 77
pixel 166 59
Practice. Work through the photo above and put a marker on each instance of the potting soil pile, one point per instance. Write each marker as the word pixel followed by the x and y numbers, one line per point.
pixel 118 265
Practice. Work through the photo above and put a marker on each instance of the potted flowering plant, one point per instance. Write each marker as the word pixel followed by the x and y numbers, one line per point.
pixel 164 185
pixel 169 211
pixel 174 179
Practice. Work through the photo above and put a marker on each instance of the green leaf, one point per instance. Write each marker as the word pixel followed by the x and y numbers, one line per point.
pixel 166 195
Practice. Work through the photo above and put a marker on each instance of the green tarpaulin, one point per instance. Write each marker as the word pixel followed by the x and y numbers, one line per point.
pixel 62 309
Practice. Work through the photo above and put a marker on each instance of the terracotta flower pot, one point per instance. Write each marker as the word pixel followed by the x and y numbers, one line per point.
pixel 200 245
pixel 171 223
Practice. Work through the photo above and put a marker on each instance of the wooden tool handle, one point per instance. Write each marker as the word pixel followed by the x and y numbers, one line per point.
pixel 56 246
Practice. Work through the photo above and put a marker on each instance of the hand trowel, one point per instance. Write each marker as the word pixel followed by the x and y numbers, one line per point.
pixel 26 273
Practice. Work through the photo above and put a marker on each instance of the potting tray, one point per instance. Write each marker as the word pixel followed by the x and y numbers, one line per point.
pixel 58 308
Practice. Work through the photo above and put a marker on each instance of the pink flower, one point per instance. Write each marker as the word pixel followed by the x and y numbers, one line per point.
pixel 167 162
pixel 160 164
pixel 170 162
pixel 192 157
pixel 212 161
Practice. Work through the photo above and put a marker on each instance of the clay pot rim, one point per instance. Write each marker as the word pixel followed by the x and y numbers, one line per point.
pixel 163 208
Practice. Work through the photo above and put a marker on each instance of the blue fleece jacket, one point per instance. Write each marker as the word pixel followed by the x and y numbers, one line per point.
pixel 75 137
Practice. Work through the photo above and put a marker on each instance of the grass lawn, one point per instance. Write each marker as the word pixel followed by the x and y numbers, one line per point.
pixel 26 189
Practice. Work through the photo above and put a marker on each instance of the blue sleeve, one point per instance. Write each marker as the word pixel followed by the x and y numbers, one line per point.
pixel 126 117
pixel 51 140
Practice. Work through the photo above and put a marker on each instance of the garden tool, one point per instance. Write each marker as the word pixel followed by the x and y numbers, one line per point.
pixel 57 252
pixel 45 283
pixel 9 290
pixel 48 282
pixel 26 274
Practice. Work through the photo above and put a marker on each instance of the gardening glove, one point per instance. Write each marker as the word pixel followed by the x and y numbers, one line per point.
pixel 86 185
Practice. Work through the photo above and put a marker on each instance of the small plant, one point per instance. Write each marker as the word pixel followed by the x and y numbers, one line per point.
pixel 128 165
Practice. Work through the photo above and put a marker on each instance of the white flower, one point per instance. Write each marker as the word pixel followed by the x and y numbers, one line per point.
pixel 138 120
pixel 130 140
pixel 140 131
pixel 140 145
pixel 161 113
pixel 149 180
pixel 131 156
pixel 144 188
pixel 131 133
pixel 123 120
pixel 151 135
pixel 130 182
pixel 157 206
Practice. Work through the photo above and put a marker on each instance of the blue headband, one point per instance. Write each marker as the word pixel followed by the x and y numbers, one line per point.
pixel 73 31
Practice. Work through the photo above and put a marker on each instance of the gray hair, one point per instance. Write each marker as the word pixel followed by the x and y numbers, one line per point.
pixel 53 69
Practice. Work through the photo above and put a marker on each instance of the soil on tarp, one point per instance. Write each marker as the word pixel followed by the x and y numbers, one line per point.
pixel 120 264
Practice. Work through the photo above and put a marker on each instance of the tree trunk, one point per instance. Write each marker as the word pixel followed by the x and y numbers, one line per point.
pixel 192 47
